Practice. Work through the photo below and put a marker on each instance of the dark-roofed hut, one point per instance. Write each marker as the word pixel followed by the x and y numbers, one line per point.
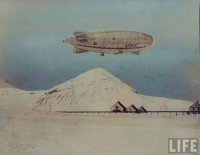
pixel 195 107
pixel 142 109
pixel 118 107
pixel 132 108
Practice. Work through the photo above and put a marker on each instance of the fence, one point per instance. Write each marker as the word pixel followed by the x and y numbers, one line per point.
pixel 148 112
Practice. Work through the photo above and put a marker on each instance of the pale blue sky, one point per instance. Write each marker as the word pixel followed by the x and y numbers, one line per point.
pixel 32 55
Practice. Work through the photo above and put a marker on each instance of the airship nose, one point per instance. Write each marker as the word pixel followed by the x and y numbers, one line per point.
pixel 151 41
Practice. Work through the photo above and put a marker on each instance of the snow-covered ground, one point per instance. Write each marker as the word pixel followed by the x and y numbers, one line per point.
pixel 50 133
pixel 27 130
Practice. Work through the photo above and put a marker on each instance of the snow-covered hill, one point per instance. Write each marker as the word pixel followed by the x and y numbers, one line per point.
pixel 17 99
pixel 4 84
pixel 98 90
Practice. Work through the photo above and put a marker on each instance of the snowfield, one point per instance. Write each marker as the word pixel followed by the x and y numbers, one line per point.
pixel 50 133
pixel 27 127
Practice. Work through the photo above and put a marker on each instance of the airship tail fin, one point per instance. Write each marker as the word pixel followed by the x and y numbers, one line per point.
pixel 78 50
pixel 78 32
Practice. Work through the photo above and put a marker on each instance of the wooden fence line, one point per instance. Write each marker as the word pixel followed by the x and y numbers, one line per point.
pixel 151 112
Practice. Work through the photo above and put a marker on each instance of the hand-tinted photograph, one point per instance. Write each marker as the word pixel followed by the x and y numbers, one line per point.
pixel 107 77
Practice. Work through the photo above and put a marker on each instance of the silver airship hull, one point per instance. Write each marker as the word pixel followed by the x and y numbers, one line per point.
pixel 113 42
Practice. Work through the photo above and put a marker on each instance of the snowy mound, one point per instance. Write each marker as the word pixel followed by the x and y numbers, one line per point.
pixel 94 90
pixel 4 84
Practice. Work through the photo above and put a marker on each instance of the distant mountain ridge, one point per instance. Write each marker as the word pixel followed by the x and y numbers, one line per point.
pixel 98 90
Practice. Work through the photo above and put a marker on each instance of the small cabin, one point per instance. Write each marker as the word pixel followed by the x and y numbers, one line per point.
pixel 142 109
pixel 195 107
pixel 118 107
pixel 132 108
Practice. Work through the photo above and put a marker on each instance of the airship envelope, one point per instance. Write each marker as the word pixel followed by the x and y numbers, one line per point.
pixel 113 42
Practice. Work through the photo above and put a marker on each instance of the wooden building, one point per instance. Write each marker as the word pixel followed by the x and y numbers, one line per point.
pixel 132 108
pixel 142 109
pixel 195 107
pixel 118 107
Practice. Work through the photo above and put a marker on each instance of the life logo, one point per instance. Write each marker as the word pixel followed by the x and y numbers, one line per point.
pixel 183 145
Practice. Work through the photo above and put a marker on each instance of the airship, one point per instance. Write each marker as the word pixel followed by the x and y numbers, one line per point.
pixel 111 42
